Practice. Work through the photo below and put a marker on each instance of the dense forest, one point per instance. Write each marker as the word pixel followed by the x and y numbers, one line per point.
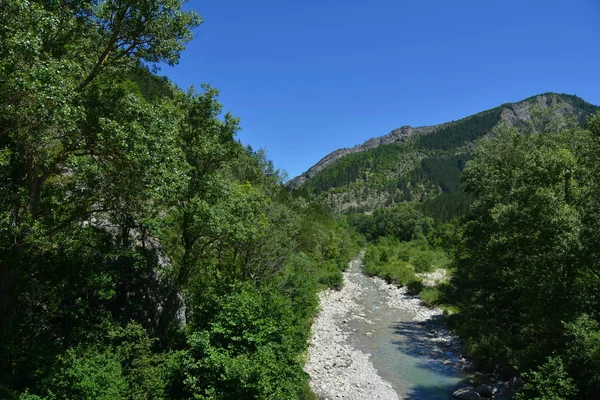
pixel 462 132
pixel 526 277
pixel 144 252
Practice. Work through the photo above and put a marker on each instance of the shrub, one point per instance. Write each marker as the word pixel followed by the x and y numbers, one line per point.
pixel 250 351
pixel 422 263
pixel 414 286
pixel 430 295
pixel 88 374
pixel 549 381
pixel 330 275
pixel 582 355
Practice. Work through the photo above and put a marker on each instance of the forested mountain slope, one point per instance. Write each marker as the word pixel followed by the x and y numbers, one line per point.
pixel 415 164
pixel 502 209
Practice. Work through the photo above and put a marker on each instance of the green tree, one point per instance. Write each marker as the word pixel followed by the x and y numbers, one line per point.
pixel 150 255
pixel 250 350
pixel 78 142
pixel 521 263
pixel 582 353
pixel 548 382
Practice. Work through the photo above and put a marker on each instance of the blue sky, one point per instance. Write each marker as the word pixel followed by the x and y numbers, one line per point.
pixel 308 77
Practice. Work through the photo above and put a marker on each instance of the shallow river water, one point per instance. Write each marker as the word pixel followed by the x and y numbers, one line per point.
pixel 373 341
pixel 400 348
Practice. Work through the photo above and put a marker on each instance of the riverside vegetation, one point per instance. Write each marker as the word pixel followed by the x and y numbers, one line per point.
pixel 515 221
pixel 144 252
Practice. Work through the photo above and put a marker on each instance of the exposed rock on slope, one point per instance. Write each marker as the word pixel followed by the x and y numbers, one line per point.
pixel 397 135
pixel 418 164
pixel 511 113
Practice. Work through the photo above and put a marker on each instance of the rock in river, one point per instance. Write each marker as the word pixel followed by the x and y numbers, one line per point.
pixel 466 393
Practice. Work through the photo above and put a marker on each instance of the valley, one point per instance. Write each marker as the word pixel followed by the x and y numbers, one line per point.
pixel 372 340
pixel 152 250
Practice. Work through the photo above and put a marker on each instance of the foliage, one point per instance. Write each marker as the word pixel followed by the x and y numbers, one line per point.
pixel 398 262
pixel 445 171
pixel 459 133
pixel 431 295
pixel 421 166
pixel 402 222
pixel 582 353
pixel 150 254
pixel 88 375
pixel 526 275
pixel 249 351
pixel 550 381
pixel 446 206
pixel 124 367
pixel 423 262
pixel 354 166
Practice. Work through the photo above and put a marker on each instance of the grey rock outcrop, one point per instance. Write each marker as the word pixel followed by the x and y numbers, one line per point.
pixel 521 112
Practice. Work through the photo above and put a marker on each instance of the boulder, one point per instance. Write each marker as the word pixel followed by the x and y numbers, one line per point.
pixel 511 387
pixel 466 393
pixel 485 390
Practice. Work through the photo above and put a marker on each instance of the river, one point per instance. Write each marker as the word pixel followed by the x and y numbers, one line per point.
pixel 372 340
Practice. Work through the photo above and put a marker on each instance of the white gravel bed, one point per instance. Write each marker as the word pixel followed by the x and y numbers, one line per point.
pixel 399 298
pixel 430 279
pixel 336 369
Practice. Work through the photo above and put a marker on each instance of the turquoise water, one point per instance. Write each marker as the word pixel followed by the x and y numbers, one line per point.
pixel 400 349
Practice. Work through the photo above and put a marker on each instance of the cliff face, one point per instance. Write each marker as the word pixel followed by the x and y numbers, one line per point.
pixel 510 113
pixel 562 106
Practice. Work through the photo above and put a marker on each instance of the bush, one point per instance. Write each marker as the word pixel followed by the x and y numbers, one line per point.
pixel 430 295
pixel 397 262
pixel 403 256
pixel 299 284
pixel 88 374
pixel 330 275
pixel 422 263
pixel 250 350
pixel 122 367
pixel 550 381
pixel 582 355
pixel 414 286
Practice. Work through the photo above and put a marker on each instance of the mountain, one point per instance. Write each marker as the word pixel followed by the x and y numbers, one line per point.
pixel 417 164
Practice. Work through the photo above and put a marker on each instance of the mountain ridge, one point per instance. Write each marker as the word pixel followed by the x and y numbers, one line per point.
pixel 396 135
pixel 511 113
pixel 418 164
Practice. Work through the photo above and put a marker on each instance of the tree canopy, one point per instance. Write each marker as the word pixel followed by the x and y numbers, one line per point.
pixel 144 252
pixel 527 271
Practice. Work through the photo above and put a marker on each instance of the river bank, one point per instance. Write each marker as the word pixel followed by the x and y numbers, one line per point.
pixel 372 340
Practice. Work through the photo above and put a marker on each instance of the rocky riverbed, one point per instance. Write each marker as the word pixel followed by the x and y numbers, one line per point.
pixel 336 368
pixel 372 340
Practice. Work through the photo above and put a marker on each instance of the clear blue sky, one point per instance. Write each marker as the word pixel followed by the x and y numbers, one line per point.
pixel 308 77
